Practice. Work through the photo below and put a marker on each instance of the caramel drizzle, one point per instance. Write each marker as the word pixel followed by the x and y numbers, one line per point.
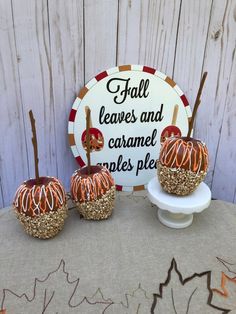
pixel 89 188
pixel 39 199
pixel 192 158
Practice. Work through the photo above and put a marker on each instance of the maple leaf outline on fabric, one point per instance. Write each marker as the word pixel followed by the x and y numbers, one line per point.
pixel 99 304
pixel 45 297
pixel 137 302
pixel 226 295
pixel 183 283
pixel 231 267
pixel 96 299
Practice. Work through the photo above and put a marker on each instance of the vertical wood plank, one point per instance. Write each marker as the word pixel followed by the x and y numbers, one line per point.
pixel 218 61
pixel 130 30
pixel 100 35
pixel 224 174
pixel 1 195
pixel 224 183
pixel 190 54
pixel 191 41
pixel 147 33
pixel 67 50
pixel 13 156
pixel 32 44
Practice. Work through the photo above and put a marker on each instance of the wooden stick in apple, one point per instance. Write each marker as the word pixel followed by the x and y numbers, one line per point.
pixel 88 112
pixel 35 145
pixel 197 103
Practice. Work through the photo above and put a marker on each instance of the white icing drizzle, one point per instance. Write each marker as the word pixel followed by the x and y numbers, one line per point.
pixel 39 198
pixel 86 188
pixel 170 157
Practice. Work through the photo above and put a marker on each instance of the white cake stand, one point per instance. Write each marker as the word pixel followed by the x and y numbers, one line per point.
pixel 177 211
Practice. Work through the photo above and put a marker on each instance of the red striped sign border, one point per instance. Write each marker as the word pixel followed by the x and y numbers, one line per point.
pixel 98 78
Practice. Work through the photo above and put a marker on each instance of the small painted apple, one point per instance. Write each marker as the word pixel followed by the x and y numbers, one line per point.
pixel 170 131
pixel 96 140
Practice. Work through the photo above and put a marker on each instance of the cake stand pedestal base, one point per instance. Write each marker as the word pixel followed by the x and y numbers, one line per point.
pixel 176 221
pixel 177 211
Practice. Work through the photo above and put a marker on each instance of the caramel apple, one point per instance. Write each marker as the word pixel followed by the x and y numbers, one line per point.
pixel 182 165
pixel 92 187
pixel 94 192
pixel 41 206
pixel 183 161
pixel 40 203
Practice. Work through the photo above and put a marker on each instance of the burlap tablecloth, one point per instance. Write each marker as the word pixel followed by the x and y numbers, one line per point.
pixel 127 264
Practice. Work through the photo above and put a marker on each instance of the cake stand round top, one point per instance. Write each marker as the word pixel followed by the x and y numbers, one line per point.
pixel 193 203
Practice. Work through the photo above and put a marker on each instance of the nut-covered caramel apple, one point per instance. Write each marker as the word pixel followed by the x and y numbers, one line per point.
pixel 92 187
pixel 94 192
pixel 40 203
pixel 41 206
pixel 183 161
pixel 182 165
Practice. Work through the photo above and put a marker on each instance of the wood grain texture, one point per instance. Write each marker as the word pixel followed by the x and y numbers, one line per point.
pixel 67 63
pixel 224 183
pixel 219 56
pixel 224 170
pixel 147 33
pixel 100 36
pixel 32 45
pixel 191 41
pixel 1 195
pixel 13 156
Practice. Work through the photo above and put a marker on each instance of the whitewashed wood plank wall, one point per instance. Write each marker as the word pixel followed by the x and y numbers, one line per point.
pixel 50 48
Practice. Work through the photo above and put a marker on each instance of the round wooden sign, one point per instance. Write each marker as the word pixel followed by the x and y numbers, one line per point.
pixel 133 109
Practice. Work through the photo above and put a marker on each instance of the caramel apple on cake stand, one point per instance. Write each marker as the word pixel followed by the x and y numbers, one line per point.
pixel 40 203
pixel 92 186
pixel 181 168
